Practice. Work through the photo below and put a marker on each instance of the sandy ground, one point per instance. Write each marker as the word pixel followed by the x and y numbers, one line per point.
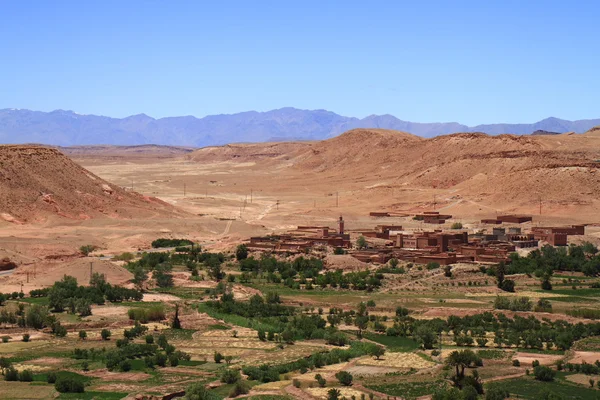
pixel 579 357
pixel 545 359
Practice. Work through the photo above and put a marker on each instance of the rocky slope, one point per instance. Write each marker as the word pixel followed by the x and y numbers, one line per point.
pixel 38 182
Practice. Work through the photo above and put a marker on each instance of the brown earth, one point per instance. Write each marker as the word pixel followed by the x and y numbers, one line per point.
pixel 36 182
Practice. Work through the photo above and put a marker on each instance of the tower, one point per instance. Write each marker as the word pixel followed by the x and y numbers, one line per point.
pixel 341 229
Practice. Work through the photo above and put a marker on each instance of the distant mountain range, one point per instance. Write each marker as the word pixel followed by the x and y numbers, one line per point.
pixel 67 128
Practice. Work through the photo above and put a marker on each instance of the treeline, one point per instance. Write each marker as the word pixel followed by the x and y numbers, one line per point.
pixel 162 242
pixel 160 265
pixel 286 323
pixel 579 258
pixel 119 358
pixel 306 272
pixel 66 294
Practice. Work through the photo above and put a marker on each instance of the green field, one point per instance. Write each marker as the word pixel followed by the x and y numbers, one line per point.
pixel 409 390
pixel 395 344
pixel 529 388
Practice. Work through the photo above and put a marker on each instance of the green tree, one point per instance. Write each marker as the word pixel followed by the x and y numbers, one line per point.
pixel 230 375
pixel 139 277
pixel 218 357
pixel 344 377
pixel 543 373
pixel 376 351
pixel 241 252
pixel 333 394
pixel 461 359
pixel 82 335
pixel 361 242
pixel 105 334
pixel 176 323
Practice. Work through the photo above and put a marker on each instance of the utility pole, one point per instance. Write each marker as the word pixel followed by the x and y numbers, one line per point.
pixel 91 269
pixel 540 205
pixel 434 202
pixel 277 204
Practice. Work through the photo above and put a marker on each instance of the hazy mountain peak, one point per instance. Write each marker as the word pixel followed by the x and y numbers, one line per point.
pixel 66 127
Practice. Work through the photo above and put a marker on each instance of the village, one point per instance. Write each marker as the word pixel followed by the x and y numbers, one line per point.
pixel 491 243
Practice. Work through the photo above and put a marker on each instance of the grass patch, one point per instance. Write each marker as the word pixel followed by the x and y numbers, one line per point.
pixel 409 390
pixel 218 327
pixel 529 388
pixel 191 363
pixel 43 301
pixel 394 344
pixel 43 377
pixel 492 354
pixel 179 334
pixel 233 319
pixel 589 292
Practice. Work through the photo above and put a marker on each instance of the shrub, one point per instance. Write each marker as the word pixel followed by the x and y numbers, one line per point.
pixel 51 377
pixel 68 385
pixel 543 373
pixel 230 376
pixel 26 376
pixel 241 387
pixel 5 339
pixel 105 334
pixel 333 394
pixel 82 335
pixel 26 337
pixel 496 393
pixel 456 225
pixel 344 377
pixel 218 357
pixel 296 383
pixel 11 374
pixel 516 363
pixel 149 339
pixel 320 380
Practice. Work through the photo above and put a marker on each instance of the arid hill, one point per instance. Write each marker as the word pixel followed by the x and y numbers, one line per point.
pixel 141 151
pixel 38 182
pixel 250 152
pixel 502 172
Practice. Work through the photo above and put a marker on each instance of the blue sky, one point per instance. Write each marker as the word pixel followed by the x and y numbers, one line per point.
pixel 425 61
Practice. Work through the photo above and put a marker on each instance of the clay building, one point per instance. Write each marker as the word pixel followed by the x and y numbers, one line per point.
pixel 557 236
pixel 432 217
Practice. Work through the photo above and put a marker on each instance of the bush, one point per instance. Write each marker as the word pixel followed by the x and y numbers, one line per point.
pixel 241 252
pixel 516 363
pixel 5 339
pixel 496 393
pixel 51 377
pixel 11 374
pixel 68 385
pixel 543 373
pixel 82 335
pixel 230 376
pixel 240 388
pixel 26 375
pixel 218 357
pixel 26 337
pixel 456 225
pixel 320 380
pixel 149 339
pixel 344 377
pixel 296 383
pixel 105 334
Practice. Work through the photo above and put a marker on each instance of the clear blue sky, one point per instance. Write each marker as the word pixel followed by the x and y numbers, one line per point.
pixel 467 61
